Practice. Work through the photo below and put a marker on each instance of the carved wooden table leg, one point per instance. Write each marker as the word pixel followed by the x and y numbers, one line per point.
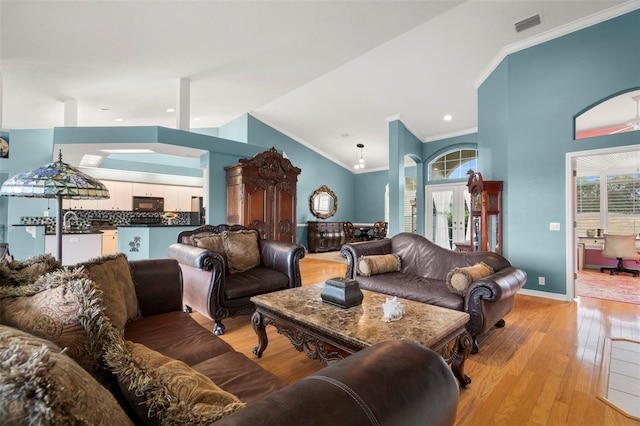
pixel 464 344
pixel 259 327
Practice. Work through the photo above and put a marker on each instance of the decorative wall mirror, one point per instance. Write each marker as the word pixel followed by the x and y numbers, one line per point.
pixel 323 203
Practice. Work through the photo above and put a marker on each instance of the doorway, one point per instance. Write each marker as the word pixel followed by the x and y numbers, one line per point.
pixel 600 161
pixel 447 214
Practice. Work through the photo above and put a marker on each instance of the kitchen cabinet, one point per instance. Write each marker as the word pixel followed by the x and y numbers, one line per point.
pixel 261 194
pixel 109 241
pixel 177 198
pixel 68 204
pixel 147 190
pixel 120 196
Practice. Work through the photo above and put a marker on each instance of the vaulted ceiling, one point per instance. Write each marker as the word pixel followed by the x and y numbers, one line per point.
pixel 328 73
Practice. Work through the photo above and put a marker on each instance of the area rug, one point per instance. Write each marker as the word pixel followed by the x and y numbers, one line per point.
pixel 619 380
pixel 330 256
pixel 621 288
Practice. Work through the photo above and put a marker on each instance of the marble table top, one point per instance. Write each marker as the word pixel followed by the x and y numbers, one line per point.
pixel 362 325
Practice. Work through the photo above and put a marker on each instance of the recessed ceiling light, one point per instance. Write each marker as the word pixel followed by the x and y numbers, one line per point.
pixel 171 110
pixel 119 119
pixel 128 151
pixel 448 117
pixel 196 119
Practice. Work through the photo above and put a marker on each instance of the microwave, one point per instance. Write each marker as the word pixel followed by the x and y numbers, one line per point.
pixel 148 204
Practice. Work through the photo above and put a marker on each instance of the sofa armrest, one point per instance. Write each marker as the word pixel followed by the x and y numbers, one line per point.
pixel 283 257
pixel 352 251
pixel 391 383
pixel 499 286
pixel 158 285
pixel 196 257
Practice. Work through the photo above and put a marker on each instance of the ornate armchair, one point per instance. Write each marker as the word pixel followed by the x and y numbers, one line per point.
pixel 349 232
pixel 223 266
pixel 380 230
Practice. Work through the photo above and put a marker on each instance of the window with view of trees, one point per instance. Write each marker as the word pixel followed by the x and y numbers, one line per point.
pixel 611 202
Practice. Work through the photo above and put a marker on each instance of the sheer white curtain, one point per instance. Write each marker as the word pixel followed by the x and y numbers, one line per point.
pixel 467 202
pixel 442 200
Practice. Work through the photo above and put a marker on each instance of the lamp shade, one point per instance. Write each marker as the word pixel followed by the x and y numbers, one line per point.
pixel 56 179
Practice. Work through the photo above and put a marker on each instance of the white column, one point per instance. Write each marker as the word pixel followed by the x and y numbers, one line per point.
pixel 70 113
pixel 182 104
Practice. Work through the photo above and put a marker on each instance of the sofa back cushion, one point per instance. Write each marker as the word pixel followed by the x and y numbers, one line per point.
pixel 210 241
pixel 241 248
pixel 423 258
pixel 42 385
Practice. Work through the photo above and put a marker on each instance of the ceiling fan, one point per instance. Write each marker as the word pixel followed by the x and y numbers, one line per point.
pixel 634 123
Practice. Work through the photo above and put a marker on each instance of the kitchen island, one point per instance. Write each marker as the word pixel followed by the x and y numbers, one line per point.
pixel 148 241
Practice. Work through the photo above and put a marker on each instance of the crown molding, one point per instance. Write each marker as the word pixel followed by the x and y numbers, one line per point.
pixel 462 132
pixel 406 123
pixel 563 30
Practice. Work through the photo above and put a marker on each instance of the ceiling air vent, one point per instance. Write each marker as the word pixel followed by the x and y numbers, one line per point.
pixel 529 22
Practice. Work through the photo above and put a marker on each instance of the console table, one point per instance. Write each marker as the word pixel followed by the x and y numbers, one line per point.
pixel 324 236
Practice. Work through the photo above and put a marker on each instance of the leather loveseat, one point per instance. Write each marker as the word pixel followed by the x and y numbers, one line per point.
pixel 424 267
pixel 212 288
pixel 365 388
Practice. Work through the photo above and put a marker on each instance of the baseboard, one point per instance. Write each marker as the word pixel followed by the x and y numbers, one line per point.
pixel 545 295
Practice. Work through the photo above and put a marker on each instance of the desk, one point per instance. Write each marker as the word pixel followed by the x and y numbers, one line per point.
pixel 364 232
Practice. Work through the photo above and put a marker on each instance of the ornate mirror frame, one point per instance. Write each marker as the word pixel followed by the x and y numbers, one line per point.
pixel 321 196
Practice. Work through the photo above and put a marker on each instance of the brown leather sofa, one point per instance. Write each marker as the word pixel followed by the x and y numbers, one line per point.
pixel 424 268
pixel 391 383
pixel 212 290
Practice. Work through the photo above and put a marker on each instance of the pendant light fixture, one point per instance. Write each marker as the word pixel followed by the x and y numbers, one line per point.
pixel 359 164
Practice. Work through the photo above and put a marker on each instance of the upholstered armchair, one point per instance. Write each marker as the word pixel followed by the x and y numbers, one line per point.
pixel 223 266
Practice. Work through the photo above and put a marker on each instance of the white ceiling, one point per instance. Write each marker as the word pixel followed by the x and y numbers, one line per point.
pixel 328 73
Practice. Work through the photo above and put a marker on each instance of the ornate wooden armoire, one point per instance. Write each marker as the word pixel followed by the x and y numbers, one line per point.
pixel 261 194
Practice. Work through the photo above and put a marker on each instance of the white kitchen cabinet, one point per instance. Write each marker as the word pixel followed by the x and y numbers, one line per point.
pixel 109 241
pixel 69 204
pixel 120 196
pixel 75 247
pixel 147 190
pixel 178 198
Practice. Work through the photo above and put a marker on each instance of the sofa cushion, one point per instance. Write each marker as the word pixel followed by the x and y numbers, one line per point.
pixel 177 335
pixel 41 385
pixel 112 275
pixel 48 308
pixel 378 264
pixel 425 290
pixel 156 385
pixel 459 279
pixel 210 241
pixel 241 248
pixel 258 280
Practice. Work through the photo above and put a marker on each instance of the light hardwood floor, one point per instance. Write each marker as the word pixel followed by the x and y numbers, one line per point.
pixel 541 369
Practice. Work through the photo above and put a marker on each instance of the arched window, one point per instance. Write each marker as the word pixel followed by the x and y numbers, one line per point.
pixel 453 164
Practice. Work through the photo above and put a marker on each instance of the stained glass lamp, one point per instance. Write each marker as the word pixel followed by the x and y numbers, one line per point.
pixel 55 180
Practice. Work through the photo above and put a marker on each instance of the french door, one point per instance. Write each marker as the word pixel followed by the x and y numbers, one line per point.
pixel 447 214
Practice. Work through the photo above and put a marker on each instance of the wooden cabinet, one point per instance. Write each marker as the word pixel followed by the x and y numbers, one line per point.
pixel 486 213
pixel 324 236
pixel 261 194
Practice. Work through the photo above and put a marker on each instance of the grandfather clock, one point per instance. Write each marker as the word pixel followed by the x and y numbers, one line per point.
pixel 486 213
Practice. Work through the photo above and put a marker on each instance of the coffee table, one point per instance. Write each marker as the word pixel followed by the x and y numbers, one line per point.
pixel 329 333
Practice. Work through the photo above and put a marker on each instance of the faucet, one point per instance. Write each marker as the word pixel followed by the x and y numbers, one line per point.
pixel 74 218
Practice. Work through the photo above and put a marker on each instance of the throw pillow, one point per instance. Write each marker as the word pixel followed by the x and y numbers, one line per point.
pixel 210 241
pixel 39 384
pixel 160 389
pixel 459 279
pixel 242 249
pixel 112 275
pixel 378 264
pixel 23 272
pixel 49 309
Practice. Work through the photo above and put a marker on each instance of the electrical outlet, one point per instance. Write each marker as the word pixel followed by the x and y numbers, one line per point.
pixel 541 281
pixel 46 213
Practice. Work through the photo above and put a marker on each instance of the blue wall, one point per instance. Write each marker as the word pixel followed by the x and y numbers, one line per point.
pixel 525 127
